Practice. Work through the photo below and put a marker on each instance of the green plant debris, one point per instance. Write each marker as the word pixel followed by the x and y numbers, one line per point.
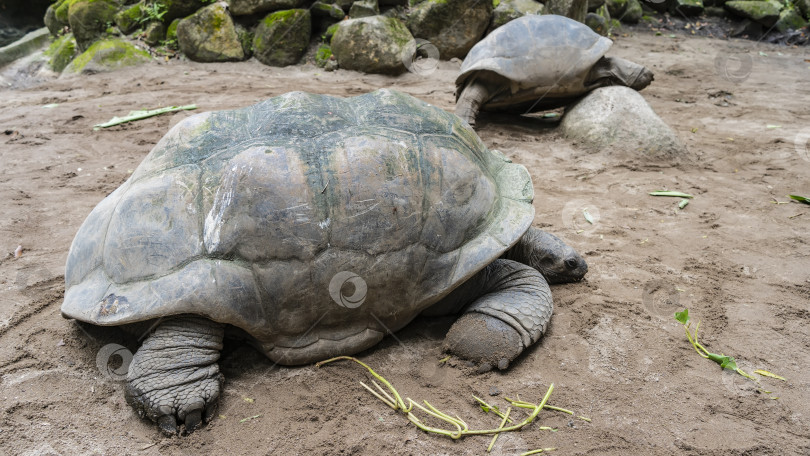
pixel 682 204
pixel 138 115
pixel 765 373
pixel 445 359
pixel 459 428
pixel 503 422
pixel 669 193
pixel 250 418
pixel 725 362
pixel 537 451
pixel 587 215
pixel 800 199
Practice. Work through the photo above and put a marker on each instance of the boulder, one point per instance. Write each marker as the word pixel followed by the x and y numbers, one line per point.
pixel 107 55
pixel 89 20
pixel 209 35
pixel 633 13
pixel 325 14
pixel 371 44
pixel 508 10
pixel 789 19
pixel 597 23
pixel 282 37
pixel 618 120
pixel 803 7
pixel 364 8
pixel 181 8
pixel 129 18
pixel 245 7
pixel 453 26
pixel 575 9
pixel 765 13
pixel 154 33
pixel 686 7
pixel 28 44
pixel 61 52
pixel 53 24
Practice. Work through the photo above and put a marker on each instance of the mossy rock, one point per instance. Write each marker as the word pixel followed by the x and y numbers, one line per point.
pixel 61 52
pixel 364 8
pixel 804 8
pixel 597 23
pixel 89 20
pixel 322 9
pixel 107 55
pixel 509 10
pixel 154 33
pixel 323 55
pixel 209 35
pixel 282 37
pixel 246 39
pixel 54 25
pixel 764 13
pixel 179 8
pixel 790 19
pixel 330 32
pixel 453 26
pixel 686 7
pixel 247 7
pixel 632 13
pixel 574 9
pixel 371 44
pixel 129 18
pixel 171 30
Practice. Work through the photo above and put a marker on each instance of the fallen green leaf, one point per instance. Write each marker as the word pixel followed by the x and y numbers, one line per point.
pixel 669 193
pixel 587 216
pixel 800 199
pixel 250 418
pixel 138 115
pixel 683 203
pixel 682 316
pixel 769 374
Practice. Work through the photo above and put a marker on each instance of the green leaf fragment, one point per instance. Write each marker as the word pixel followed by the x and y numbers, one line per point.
pixel 682 316
pixel 800 199
pixel 138 115
pixel 587 216
pixel 683 203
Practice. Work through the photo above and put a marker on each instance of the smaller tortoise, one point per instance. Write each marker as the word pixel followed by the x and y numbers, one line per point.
pixel 252 220
pixel 535 63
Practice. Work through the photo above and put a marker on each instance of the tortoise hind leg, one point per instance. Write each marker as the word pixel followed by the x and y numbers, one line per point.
pixel 472 98
pixel 511 312
pixel 174 377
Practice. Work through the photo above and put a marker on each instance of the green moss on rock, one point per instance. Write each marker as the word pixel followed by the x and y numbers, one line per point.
pixel 128 19
pixel 61 52
pixel 453 26
pixel 107 55
pixel 89 19
pixel 763 12
pixel 372 44
pixel 282 37
pixel 209 35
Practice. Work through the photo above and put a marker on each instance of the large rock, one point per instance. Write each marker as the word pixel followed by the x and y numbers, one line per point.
pixel 453 26
pixel 107 55
pixel 686 7
pixel 765 13
pixel 89 20
pixel 129 18
pixel 209 35
pixel 575 9
pixel 508 10
pixel 245 7
pixel 282 37
pixel 372 44
pixel 789 19
pixel 618 120
pixel 627 11
pixel 180 8
pixel 61 52
pixel 364 8
pixel 26 45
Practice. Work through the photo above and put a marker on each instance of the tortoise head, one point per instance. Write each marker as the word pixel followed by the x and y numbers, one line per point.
pixel 617 71
pixel 556 260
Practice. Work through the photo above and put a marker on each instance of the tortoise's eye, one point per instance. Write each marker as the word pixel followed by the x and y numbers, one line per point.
pixel 571 263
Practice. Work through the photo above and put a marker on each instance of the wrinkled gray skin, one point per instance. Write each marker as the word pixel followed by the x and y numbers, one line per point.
pixel 238 219
pixel 536 63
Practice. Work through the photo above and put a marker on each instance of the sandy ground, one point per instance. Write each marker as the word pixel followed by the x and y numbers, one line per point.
pixel 739 261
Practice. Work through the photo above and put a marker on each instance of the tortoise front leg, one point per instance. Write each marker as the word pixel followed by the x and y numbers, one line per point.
pixel 174 377
pixel 510 308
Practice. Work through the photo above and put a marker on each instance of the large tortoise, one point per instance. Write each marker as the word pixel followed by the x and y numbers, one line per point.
pixel 315 225
pixel 535 63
